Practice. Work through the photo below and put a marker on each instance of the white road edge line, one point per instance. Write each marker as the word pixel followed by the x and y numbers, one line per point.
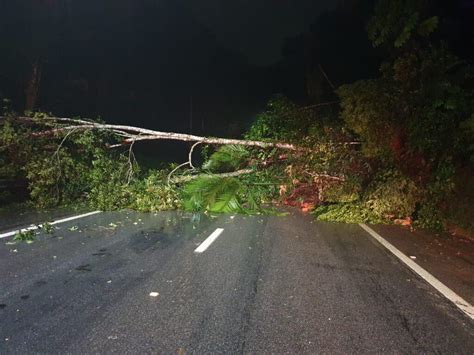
pixel 35 227
pixel 461 303
pixel 209 240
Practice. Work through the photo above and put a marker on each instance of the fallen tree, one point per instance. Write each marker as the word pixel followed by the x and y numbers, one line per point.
pixel 63 126
pixel 54 153
pixel 289 156
pixel 134 134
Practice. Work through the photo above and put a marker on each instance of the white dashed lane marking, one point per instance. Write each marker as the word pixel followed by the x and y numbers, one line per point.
pixel 205 244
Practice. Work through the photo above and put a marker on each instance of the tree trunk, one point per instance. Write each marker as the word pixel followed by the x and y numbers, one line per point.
pixel 32 89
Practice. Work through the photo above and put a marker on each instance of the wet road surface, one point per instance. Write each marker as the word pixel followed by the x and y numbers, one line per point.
pixel 127 282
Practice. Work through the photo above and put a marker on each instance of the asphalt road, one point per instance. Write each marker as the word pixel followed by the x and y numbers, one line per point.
pixel 266 285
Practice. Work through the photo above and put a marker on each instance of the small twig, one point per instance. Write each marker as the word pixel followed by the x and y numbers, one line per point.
pixel 327 78
pixel 318 105
pixel 325 176
pixel 176 169
pixel 56 153
pixel 190 156
pixel 131 157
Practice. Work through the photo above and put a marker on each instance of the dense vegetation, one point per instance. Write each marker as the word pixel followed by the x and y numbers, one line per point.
pixel 398 147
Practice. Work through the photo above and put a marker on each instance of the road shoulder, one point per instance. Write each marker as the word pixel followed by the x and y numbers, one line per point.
pixel 448 258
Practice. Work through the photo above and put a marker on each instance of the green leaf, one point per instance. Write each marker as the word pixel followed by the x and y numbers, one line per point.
pixel 407 30
pixel 213 194
pixel 226 159
pixel 428 26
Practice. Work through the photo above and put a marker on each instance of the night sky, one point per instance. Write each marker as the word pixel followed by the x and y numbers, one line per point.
pixel 198 66
pixel 148 59
pixel 257 28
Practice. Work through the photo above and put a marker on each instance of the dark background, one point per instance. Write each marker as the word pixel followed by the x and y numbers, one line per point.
pixel 205 67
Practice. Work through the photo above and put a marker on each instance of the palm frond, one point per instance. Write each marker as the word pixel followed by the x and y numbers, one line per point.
pixel 213 194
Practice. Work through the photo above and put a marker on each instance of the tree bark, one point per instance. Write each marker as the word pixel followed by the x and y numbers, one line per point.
pixel 32 89
pixel 133 134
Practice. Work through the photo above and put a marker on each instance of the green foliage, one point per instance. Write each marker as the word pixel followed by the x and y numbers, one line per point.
pixel 285 121
pixel 13 151
pixel 389 196
pixel 278 122
pixel 396 22
pixel 415 119
pixel 417 105
pixel 343 192
pixel 213 194
pixel 46 227
pixel 153 194
pixel 346 213
pixel 78 167
pixel 245 194
pixel 367 109
pixel 458 207
pixel 28 236
pixel 438 190
pixel 428 26
pixel 53 181
pixel 430 217
pixel 392 195
pixel 226 159
pixel 108 185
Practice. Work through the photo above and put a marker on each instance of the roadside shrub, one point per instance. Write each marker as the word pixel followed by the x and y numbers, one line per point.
pixel 153 194
pixel 342 192
pixel 283 120
pixel 279 122
pixel 55 181
pixel 371 109
pixel 108 188
pixel 430 217
pixel 392 195
pixel 437 193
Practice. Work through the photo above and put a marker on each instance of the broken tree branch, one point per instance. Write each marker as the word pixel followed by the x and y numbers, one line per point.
pixel 325 176
pixel 175 170
pixel 131 161
pixel 148 134
pixel 189 162
pixel 55 126
pixel 311 107
pixel 134 134
pixel 190 156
